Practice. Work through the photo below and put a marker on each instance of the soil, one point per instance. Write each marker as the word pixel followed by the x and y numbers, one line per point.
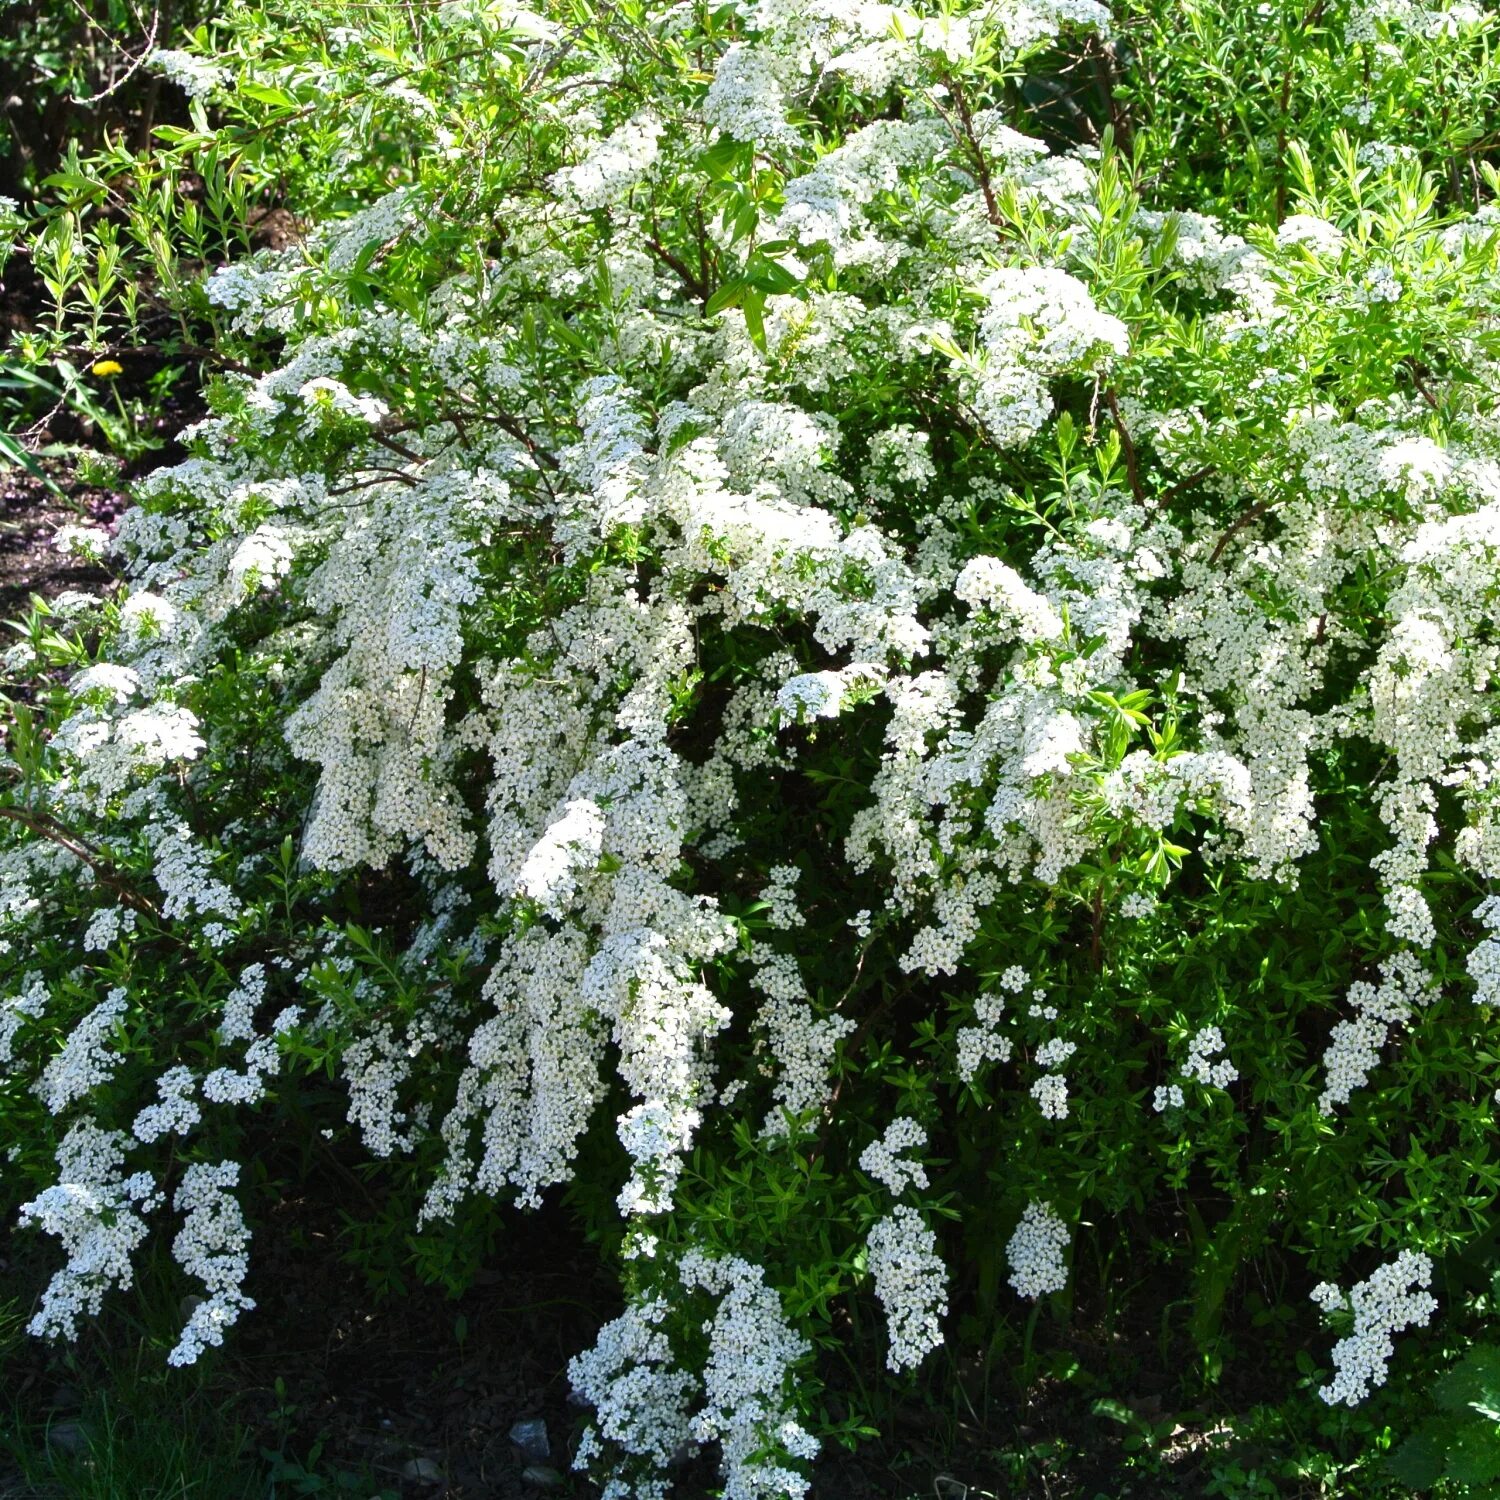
pixel 30 516
pixel 421 1390
pixel 416 1394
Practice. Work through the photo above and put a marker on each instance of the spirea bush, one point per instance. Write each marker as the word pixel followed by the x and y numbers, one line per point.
pixel 863 637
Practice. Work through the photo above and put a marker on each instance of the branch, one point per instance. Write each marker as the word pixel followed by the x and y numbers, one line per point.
pixel 691 283
pixel 981 165
pixel 49 828
pixel 1132 468
pixel 136 65
pixel 1238 524
pixel 1196 477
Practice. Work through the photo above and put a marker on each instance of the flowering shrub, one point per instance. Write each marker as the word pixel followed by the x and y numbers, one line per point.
pixel 922 708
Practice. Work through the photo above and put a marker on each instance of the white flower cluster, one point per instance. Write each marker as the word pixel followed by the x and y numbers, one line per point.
pixel 212 1246
pixel 97 1214
pixel 194 75
pixel 911 1282
pixel 644 1406
pixel 1387 1302
pixel 1041 323
pixel 177 1112
pixel 27 1003
pixel 613 165
pixel 745 100
pixel 641 1402
pixel 1484 961
pixel 989 584
pixel 85 1060
pixel 1035 1252
pixel 746 1383
pixel 883 1161
pixel 106 926
pixel 570 845
pixel 779 895
pixel 110 750
pixel 1051 1094
pixel 1200 1065
pixel 823 695
pixel 984 1042
pixel 504 600
pixel 1354 1046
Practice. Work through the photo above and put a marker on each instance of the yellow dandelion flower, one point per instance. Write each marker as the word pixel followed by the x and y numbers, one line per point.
pixel 107 369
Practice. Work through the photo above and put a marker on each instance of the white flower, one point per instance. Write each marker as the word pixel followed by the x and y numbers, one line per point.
pixel 212 1246
pixel 613 165
pixel 882 1159
pixel 911 1283
pixel 571 845
pixel 85 1060
pixel 97 1214
pixel 90 542
pixel 987 583
pixel 264 556
pixel 1383 1305
pixel 745 99
pixel 195 76
pixel 1035 1252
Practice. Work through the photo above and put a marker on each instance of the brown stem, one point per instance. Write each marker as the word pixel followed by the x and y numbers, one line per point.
pixel 1096 936
pixel 49 828
pixel 398 448
pixel 981 165
pixel 1127 447
pixel 385 477
pixel 1103 54
pixel 1238 524
pixel 1196 477
pixel 691 283
pixel 1421 385
pixel 1311 17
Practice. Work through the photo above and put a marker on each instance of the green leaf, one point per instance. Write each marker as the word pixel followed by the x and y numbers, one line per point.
pixel 1417 1463
pixel 728 295
pixel 754 305
pixel 264 94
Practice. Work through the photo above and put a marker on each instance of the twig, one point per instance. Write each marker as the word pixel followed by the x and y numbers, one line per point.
pixel 49 828
pixel 1096 934
pixel 981 165
pixel 395 447
pixel 693 286
pixel 135 66
pixel 386 475
pixel 1421 385
pixel 1132 468
pixel 1238 524
pixel 1196 477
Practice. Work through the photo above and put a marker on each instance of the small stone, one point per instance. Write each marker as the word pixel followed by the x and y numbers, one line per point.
pixel 543 1476
pixel 68 1437
pixel 423 1470
pixel 530 1438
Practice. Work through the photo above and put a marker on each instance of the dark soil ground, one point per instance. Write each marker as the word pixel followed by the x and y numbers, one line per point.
pixel 416 1395
pixel 30 516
